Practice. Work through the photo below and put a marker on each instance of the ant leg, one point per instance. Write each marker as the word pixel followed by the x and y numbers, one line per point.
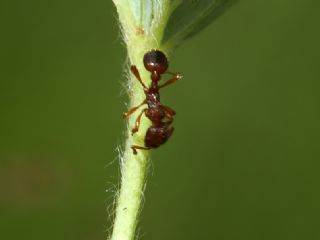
pixel 176 76
pixel 169 110
pixel 136 73
pixel 169 113
pixel 135 147
pixel 132 110
pixel 137 123
pixel 170 132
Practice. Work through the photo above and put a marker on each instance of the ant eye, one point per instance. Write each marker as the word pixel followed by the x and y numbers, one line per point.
pixel 155 61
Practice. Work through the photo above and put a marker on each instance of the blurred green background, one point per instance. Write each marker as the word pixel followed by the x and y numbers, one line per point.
pixel 243 162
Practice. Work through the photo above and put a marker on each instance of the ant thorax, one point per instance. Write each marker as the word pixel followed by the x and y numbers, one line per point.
pixel 153 99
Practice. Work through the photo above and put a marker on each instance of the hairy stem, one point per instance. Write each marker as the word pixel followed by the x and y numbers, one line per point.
pixel 146 25
pixel 139 40
pixel 133 167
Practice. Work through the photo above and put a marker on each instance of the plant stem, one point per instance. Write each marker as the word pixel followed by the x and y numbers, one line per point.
pixel 133 182
pixel 140 35
pixel 145 26
pixel 134 167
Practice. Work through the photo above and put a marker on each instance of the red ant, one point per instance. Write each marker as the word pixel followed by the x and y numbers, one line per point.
pixel 159 132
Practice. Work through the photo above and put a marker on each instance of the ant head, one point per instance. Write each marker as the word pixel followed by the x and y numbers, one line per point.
pixel 155 61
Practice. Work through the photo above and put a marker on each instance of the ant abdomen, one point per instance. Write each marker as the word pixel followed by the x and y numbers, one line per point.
pixel 157 136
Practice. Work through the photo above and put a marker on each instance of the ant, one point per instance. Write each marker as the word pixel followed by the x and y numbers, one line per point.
pixel 160 131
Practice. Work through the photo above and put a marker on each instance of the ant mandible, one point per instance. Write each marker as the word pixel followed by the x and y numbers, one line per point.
pixel 159 132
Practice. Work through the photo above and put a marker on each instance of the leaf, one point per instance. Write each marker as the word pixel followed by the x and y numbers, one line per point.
pixel 189 17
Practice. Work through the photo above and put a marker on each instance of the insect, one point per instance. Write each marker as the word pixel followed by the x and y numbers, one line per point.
pixel 160 116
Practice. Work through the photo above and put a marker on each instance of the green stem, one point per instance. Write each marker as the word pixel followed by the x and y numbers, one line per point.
pixel 143 24
pixel 134 167
pixel 129 201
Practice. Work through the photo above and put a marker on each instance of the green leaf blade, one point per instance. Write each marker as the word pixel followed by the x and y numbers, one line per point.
pixel 190 17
